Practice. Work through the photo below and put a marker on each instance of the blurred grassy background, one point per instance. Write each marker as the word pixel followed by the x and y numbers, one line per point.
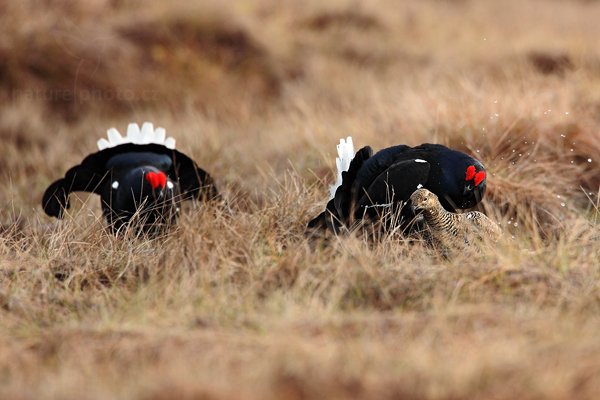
pixel 236 303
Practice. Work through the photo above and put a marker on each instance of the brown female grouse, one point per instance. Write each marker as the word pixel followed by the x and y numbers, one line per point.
pixel 447 229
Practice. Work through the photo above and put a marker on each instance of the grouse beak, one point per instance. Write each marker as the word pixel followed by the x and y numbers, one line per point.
pixel 414 208
pixel 477 196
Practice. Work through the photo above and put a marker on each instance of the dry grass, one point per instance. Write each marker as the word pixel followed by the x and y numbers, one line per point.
pixel 236 303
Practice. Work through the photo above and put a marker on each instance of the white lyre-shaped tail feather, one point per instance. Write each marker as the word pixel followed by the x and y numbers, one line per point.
pixel 146 135
pixel 345 154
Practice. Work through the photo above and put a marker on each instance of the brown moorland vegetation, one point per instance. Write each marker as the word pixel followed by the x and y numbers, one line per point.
pixel 235 302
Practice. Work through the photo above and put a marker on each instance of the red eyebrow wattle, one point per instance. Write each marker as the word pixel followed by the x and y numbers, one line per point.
pixel 470 173
pixel 479 177
pixel 156 179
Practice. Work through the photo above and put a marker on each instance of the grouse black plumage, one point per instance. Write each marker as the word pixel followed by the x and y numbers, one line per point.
pixel 390 176
pixel 140 177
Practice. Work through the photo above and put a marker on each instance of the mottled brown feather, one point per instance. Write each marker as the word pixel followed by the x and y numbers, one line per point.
pixel 449 229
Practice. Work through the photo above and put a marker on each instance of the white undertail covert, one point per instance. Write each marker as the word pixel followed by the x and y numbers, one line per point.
pixel 345 155
pixel 146 135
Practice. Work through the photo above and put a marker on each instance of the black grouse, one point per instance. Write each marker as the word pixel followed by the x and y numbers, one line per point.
pixel 139 177
pixel 370 183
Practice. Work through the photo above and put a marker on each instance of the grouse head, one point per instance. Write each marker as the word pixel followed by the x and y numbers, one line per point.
pixel 474 184
pixel 422 199
pixel 145 192
pixel 463 180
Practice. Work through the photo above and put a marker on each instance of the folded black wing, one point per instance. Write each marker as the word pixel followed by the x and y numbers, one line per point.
pixel 81 178
pixel 194 182
pixel 395 184
pixel 378 163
